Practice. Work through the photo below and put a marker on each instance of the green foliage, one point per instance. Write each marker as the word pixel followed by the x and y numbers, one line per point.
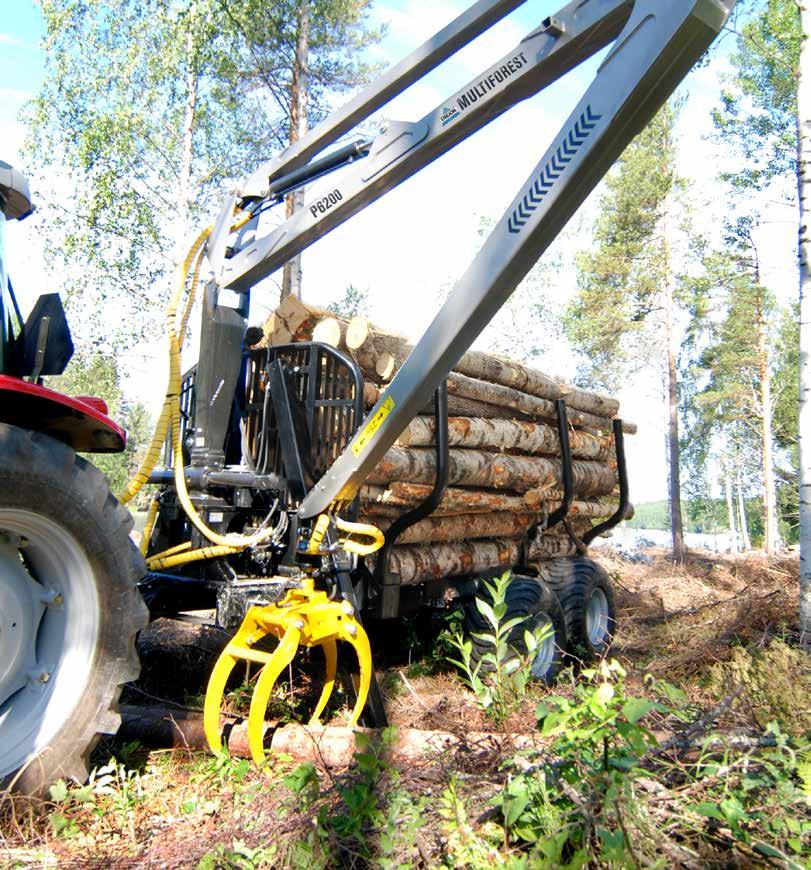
pixel 239 857
pixel 374 816
pixel 620 281
pixel 353 302
pixel 499 678
pixel 148 110
pixel 587 800
pixel 96 374
pixel 777 682
pixel 759 108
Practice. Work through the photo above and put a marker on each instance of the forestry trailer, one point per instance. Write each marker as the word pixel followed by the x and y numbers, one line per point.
pixel 264 456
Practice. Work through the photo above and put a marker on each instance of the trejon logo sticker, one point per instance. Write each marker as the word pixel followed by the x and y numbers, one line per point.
pixel 448 115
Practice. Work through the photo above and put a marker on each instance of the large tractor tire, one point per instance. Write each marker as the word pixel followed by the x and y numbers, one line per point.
pixel 69 610
pixel 586 595
pixel 537 604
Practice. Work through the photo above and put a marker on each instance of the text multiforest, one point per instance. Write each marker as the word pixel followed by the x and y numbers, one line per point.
pixel 485 85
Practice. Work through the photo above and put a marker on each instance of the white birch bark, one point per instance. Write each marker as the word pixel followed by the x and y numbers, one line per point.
pixel 804 191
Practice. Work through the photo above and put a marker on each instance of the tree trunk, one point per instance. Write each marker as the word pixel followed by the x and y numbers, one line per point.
pixel 416 564
pixel 733 529
pixel 299 98
pixel 771 534
pixel 804 191
pixel 674 459
pixel 493 470
pixel 533 406
pixel 513 435
pixel 744 525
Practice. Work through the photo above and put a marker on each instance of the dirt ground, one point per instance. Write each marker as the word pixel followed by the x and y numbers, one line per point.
pixel 183 808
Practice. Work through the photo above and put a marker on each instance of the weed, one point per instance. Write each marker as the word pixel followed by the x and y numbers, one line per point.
pixel 499 676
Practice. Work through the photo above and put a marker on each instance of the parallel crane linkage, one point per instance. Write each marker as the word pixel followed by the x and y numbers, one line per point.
pixel 305 617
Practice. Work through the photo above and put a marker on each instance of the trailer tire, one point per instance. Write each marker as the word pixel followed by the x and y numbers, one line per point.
pixel 69 610
pixel 586 595
pixel 533 599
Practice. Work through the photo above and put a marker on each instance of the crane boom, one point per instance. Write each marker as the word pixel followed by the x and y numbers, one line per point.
pixel 653 45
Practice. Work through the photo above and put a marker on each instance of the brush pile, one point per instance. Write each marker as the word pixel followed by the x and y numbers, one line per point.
pixel 505 467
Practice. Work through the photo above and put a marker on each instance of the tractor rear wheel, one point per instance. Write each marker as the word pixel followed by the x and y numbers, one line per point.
pixel 542 615
pixel 586 595
pixel 69 609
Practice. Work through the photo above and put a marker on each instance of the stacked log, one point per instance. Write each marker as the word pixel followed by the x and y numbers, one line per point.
pixel 505 470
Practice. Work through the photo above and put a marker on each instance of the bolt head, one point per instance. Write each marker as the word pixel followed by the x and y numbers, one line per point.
pixel 351 629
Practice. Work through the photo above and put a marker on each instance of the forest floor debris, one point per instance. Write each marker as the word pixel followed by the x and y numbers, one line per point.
pixel 688 748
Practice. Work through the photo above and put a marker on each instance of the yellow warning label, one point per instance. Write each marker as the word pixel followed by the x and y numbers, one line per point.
pixel 364 438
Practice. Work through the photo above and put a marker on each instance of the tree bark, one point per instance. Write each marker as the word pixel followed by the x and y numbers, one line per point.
pixel 299 98
pixel 733 530
pixel 493 470
pixel 403 496
pixel 485 367
pixel 457 407
pixel 532 406
pixel 467 527
pixel 674 459
pixel 416 564
pixel 742 521
pixel 512 435
pixel 804 247
pixel 771 533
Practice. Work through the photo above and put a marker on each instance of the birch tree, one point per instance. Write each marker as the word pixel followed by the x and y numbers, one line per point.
pixel 804 196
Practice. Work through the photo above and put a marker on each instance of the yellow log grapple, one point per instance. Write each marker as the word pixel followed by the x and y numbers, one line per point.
pixel 305 617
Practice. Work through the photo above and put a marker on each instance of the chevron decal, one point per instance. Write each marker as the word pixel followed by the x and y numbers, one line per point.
pixel 556 166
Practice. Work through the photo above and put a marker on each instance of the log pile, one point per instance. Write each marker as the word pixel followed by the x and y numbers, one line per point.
pixel 505 470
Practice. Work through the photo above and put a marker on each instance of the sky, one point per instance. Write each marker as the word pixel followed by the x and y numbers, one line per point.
pixel 409 247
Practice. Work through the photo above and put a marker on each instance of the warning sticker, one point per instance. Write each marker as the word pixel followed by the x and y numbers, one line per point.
pixel 362 441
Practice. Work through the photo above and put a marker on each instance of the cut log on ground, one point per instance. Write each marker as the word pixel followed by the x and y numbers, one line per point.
pixel 333 746
pixel 513 436
pixel 493 470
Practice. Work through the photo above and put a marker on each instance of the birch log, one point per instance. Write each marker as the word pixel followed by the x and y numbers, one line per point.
pixel 493 470
pixel 416 564
pixel 513 435
pixel 486 367
pixel 468 527
pixel 457 407
pixel 402 496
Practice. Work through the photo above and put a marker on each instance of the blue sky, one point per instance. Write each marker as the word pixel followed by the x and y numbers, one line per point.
pixel 418 239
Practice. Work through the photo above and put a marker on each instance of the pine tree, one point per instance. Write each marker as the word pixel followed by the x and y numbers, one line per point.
pixel 624 314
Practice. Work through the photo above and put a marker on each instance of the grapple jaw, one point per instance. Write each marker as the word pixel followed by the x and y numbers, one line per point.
pixel 304 617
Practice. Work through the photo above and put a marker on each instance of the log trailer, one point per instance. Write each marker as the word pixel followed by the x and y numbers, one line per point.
pixel 260 452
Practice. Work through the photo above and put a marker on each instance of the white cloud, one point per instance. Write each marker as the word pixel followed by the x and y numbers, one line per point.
pixel 7 39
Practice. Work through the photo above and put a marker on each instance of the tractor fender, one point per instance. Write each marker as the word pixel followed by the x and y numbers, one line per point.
pixel 80 422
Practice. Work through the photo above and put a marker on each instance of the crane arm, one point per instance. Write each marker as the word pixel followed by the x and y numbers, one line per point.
pixel 655 50
pixel 653 45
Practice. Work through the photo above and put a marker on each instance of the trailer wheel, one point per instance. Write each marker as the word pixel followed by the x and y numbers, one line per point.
pixel 534 600
pixel 586 595
pixel 69 610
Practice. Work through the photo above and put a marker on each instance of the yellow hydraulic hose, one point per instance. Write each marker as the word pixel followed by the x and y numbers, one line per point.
pixel 151 516
pixel 169 425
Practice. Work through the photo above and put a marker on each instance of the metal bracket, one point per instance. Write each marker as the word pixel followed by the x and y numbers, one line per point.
pixel 389 587
pixel 622 473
